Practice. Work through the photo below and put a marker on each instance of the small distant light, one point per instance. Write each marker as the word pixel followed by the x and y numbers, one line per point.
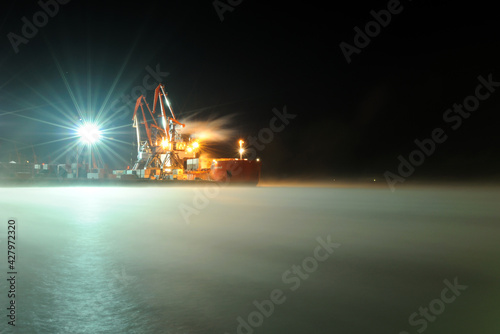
pixel 258 159
pixel 374 180
pixel 196 145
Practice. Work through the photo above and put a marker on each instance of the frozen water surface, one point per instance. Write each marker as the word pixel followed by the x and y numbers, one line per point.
pixel 206 260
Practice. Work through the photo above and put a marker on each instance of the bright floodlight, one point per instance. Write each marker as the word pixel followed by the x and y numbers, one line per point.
pixel 89 133
pixel 164 143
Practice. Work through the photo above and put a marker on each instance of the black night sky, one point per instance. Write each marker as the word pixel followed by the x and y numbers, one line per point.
pixel 352 119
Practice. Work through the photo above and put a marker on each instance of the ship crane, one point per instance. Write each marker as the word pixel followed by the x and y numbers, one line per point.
pixel 163 148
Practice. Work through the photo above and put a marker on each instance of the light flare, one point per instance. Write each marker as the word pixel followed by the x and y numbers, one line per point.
pixel 89 133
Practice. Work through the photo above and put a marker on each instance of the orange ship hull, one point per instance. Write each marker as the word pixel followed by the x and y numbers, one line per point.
pixel 235 170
